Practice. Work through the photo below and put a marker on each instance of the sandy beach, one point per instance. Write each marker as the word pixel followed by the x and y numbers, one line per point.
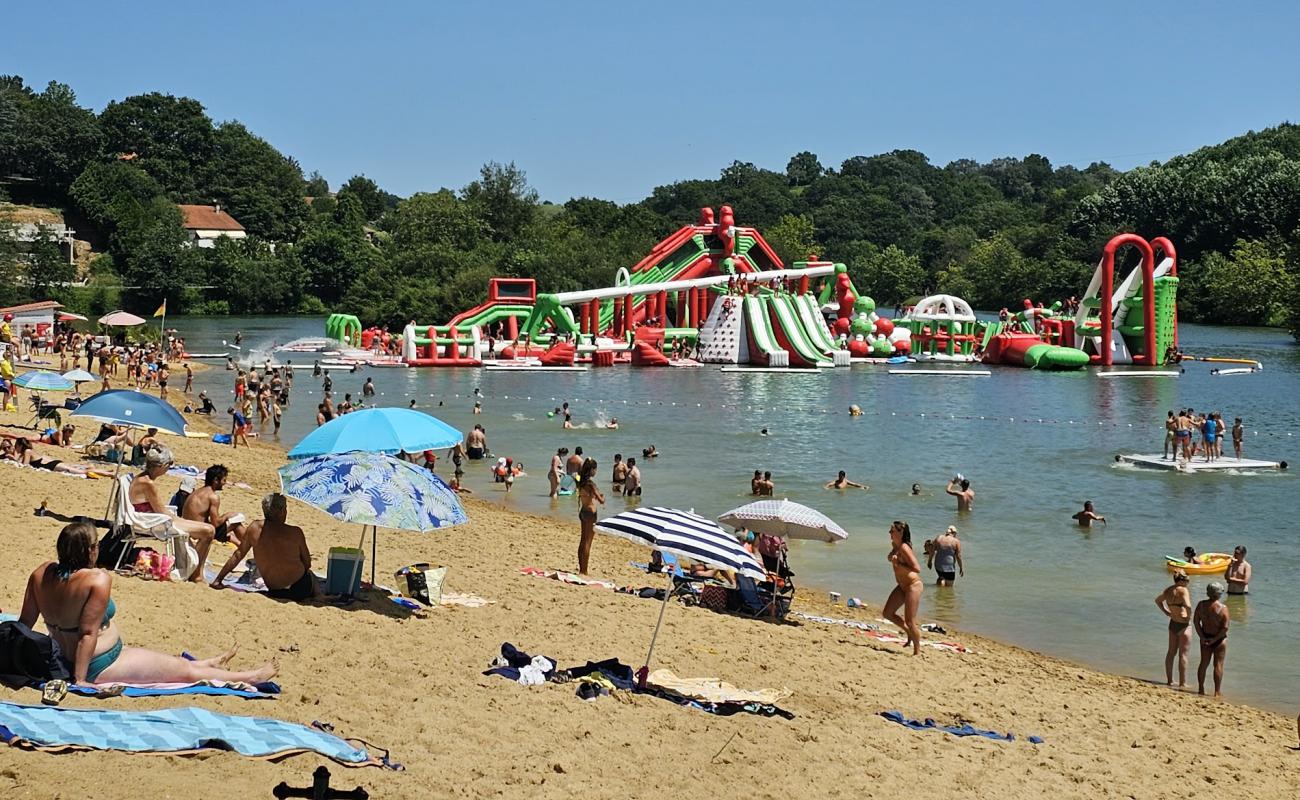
pixel 414 685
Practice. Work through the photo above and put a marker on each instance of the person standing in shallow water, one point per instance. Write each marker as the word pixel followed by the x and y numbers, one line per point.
pixel 1175 602
pixel 907 594
pixel 588 497
pixel 1211 621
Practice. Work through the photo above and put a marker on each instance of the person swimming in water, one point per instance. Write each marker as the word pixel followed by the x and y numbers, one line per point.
pixel 959 487
pixel 842 482
pixel 1087 516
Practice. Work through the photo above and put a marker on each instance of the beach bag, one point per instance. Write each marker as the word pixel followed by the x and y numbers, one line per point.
pixel 156 565
pixel 713 597
pixel 185 557
pixel 422 582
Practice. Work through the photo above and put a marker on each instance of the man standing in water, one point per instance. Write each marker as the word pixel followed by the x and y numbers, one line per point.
pixel 965 495
pixel 945 557
pixel 573 464
pixel 1238 574
pixel 1087 516
pixel 632 485
pixel 1211 622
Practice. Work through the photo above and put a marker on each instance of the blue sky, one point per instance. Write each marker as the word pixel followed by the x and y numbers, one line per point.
pixel 612 99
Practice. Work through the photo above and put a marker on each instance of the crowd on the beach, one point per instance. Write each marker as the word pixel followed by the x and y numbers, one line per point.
pixel 1189 432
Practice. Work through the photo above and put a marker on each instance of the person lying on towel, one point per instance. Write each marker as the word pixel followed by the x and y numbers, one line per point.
pixel 280 551
pixel 74 597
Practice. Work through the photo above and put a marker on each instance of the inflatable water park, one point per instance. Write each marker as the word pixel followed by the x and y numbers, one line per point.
pixel 716 293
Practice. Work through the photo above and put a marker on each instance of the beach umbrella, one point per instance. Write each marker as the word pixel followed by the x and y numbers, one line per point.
pixel 375 490
pixel 68 316
pixel 131 409
pixel 786 519
pixel 120 318
pixel 378 430
pixel 80 376
pixel 42 381
pixel 685 534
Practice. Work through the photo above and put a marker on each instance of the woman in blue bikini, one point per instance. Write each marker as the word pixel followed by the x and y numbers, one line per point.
pixel 73 597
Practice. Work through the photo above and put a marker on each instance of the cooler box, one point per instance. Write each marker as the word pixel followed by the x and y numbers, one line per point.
pixel 343 570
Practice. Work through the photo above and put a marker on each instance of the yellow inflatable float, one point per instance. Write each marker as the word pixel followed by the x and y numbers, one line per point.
pixel 1211 564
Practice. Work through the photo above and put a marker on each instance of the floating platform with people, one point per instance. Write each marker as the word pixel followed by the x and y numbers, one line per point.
pixel 1226 464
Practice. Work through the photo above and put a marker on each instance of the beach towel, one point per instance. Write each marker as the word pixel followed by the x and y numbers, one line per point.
pixel 714 690
pixel 571 578
pixel 172 730
pixel 966 729
pixel 249 691
pixel 890 638
pixel 848 623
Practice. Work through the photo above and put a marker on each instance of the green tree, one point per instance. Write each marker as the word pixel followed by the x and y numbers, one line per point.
pixel 169 137
pixel 794 238
pixel 375 202
pixel 503 199
pixel 1250 287
pixel 48 269
pixel 316 185
pixel 892 276
pixel 260 187
pixel 803 168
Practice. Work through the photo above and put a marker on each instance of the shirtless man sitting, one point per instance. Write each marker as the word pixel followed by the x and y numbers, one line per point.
pixel 281 553
pixel 204 505
pixel 965 495
pixel 1211 622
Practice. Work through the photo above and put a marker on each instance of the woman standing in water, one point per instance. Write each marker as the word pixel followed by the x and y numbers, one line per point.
pixel 1175 602
pixel 588 497
pixel 907 572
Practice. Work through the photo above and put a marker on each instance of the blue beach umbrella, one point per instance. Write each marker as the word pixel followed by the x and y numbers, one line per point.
pixel 43 381
pixel 132 409
pixel 373 489
pixel 378 430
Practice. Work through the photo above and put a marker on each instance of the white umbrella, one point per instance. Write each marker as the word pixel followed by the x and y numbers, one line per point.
pixel 785 519
pixel 685 534
pixel 121 318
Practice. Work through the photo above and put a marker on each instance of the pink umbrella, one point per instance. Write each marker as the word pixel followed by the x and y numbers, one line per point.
pixel 120 318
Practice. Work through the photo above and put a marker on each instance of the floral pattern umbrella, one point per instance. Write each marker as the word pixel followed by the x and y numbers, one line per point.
pixel 373 489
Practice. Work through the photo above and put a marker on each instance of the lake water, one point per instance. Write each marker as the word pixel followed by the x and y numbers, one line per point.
pixel 1035 446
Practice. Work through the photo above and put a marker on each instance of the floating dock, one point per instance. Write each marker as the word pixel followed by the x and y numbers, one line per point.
pixel 1141 373
pixel 958 372
pixel 532 368
pixel 1225 464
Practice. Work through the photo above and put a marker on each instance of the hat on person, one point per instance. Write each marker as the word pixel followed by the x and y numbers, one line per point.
pixel 158 457
pixel 952 529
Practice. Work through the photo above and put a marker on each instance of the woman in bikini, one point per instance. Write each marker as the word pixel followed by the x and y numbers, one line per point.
pixel 588 497
pixel 74 598
pixel 907 572
pixel 1175 602
pixel 146 498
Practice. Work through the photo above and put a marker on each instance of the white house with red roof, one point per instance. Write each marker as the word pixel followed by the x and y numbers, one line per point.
pixel 206 224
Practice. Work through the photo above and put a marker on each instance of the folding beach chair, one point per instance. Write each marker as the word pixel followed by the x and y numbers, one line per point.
pixel 137 526
pixel 685 585
pixel 764 600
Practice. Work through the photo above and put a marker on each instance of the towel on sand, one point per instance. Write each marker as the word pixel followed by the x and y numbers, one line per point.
pixel 260 691
pixel 966 729
pixel 571 578
pixel 172 730
pixel 714 690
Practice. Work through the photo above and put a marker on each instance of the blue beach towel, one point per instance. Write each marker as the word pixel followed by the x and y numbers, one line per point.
pixel 964 730
pixel 173 730
pixel 260 691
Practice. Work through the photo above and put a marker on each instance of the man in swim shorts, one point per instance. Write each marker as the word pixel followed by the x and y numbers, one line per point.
pixel 280 549
pixel 204 505
pixel 1087 516
pixel 1171 440
pixel 632 485
pixel 945 557
pixel 619 476
pixel 1238 574
pixel 476 443
pixel 1211 622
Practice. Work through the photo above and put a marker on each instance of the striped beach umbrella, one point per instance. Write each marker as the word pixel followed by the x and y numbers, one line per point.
pixel 786 519
pixel 685 534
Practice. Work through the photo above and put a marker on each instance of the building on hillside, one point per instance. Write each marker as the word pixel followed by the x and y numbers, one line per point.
pixel 206 224
pixel 31 232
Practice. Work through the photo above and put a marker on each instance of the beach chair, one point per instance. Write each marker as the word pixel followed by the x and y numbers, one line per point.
pixel 685 585
pixel 137 526
pixel 767 600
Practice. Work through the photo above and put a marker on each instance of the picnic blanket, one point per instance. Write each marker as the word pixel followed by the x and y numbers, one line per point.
pixel 714 690
pixel 250 691
pixel 172 730
pixel 965 729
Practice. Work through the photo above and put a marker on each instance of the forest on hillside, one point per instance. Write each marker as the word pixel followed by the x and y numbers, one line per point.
pixel 992 232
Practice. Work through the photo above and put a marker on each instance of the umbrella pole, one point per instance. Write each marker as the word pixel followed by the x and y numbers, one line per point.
pixel 374 553
pixel 117 470
pixel 645 670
